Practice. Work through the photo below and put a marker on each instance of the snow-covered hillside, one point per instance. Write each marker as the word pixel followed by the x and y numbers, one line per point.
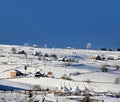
pixel 94 70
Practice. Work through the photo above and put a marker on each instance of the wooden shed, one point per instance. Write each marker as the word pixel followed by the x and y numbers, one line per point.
pixel 13 74
pixel 50 73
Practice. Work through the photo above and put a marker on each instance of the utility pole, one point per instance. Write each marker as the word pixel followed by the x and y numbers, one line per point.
pixel 25 69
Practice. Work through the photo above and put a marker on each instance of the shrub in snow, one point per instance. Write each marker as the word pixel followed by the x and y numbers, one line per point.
pixel 117 67
pixel 106 65
pixel 88 81
pixel 46 55
pixel 54 56
pixel 39 74
pixel 22 52
pixel 13 50
pixel 42 58
pixel 98 57
pixel 36 87
pixel 118 49
pixel 37 54
pixel 109 49
pixel 104 69
pixel 103 49
pixel 30 94
pixel 110 58
pixel 86 99
pixel 74 74
pixel 39 57
pixel 117 80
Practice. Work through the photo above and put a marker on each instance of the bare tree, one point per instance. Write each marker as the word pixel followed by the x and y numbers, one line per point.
pixel 89 46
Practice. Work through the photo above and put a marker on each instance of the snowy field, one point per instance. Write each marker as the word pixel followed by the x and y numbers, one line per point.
pixel 65 73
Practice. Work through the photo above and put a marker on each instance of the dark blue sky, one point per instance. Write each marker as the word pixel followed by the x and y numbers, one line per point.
pixel 61 23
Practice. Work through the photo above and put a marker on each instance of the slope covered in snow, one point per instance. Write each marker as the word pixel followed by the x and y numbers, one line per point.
pixel 58 68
